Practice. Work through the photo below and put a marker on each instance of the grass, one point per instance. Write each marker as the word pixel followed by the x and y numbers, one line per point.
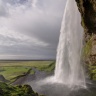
pixel 25 63
pixel 48 68
pixel 11 69
pixel 11 72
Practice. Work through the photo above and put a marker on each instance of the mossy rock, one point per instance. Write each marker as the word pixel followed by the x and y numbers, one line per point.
pixel 20 90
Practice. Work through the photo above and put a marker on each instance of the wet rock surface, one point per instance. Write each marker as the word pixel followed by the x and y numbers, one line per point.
pixel 87 9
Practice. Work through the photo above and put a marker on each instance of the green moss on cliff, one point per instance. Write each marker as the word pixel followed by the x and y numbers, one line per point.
pixel 92 72
pixel 87 49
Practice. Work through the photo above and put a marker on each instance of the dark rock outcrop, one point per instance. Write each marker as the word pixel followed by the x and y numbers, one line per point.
pixel 87 9
pixel 3 79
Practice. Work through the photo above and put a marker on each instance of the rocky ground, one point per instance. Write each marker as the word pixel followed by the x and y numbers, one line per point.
pixel 38 75
pixel 18 87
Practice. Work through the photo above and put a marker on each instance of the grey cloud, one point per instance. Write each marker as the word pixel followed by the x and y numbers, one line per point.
pixel 41 22
pixel 27 51
pixel 3 9
pixel 15 1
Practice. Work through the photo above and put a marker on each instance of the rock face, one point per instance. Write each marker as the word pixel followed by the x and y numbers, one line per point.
pixel 87 9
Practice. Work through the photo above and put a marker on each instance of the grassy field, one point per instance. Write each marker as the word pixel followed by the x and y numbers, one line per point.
pixel 11 69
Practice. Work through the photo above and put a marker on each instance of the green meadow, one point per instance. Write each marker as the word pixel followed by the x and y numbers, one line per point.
pixel 11 69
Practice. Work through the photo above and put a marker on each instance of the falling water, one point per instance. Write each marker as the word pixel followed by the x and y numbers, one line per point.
pixel 69 69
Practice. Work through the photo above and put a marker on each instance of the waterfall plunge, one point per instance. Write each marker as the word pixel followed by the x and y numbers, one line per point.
pixel 69 70
pixel 68 62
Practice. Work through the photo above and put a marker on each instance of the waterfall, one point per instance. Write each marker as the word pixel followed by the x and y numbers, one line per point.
pixel 69 68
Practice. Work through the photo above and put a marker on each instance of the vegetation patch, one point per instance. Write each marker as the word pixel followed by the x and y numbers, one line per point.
pixel 24 90
pixel 48 68
pixel 92 72
pixel 14 69
pixel 87 48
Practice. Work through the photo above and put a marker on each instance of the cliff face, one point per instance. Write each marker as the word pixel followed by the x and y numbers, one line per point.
pixel 87 9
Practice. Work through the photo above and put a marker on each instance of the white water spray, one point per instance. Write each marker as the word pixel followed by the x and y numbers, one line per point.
pixel 68 62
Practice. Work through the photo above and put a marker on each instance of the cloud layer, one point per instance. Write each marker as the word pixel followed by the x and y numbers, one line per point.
pixel 29 29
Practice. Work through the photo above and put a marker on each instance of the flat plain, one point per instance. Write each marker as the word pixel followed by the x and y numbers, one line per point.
pixel 11 69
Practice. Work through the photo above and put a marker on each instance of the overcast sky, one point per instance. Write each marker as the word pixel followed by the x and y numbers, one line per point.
pixel 29 29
